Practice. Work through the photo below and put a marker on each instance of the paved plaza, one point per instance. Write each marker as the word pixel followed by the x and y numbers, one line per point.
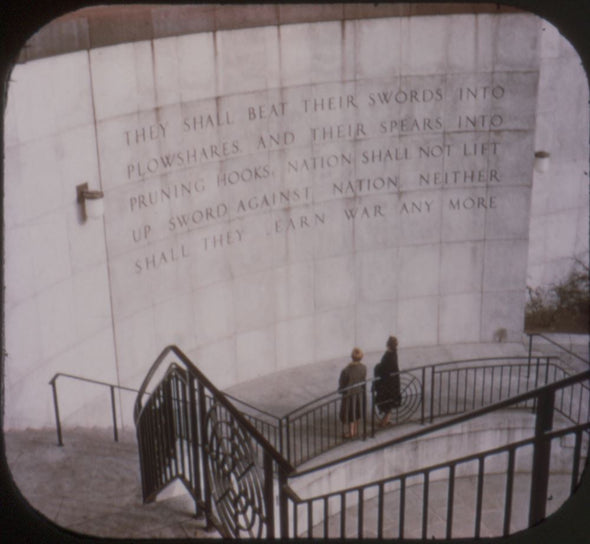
pixel 92 486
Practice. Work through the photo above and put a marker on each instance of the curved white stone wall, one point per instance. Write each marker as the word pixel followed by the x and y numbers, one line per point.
pixel 273 196
pixel 559 206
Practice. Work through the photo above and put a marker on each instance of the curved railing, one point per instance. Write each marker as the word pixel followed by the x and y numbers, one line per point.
pixel 340 513
pixel 239 464
pixel 428 392
pixel 188 430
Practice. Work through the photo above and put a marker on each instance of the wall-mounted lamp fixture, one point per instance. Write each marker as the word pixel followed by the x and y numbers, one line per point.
pixel 92 202
pixel 542 161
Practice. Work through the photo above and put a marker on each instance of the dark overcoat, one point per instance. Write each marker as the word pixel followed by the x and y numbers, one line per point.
pixel 387 383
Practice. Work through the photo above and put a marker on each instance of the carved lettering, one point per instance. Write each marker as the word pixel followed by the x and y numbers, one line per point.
pixel 473 203
pixel 338 132
pixel 364 212
pixel 223 239
pixel 318 163
pixel 329 103
pixel 159 259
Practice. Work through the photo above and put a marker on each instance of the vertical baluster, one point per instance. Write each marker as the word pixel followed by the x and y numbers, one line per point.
pixel 479 499
pixel 466 389
pixel 440 378
pixel 457 391
pixel 402 505
pixel 281 444
pixel 425 492
pixel 450 500
pixel 288 425
pixel 194 444
pixel 314 451
pixel 509 491
pixel 326 517
pixel 474 389
pixel 309 519
pixel 423 396
pixel 284 506
pixel 343 515
pixel 448 392
pixel 431 393
pixel 180 415
pixel 301 438
pixel 56 411
pixel 202 413
pixel 269 495
pixel 492 386
pixel 541 457
pixel 114 413
pixel 361 512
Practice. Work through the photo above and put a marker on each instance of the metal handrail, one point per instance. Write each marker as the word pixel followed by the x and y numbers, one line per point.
pixel 558 433
pixel 112 386
pixel 537 500
pixel 219 397
pixel 281 424
pixel 429 379
pixel 201 395
pixel 551 341
pixel 371 381
pixel 523 397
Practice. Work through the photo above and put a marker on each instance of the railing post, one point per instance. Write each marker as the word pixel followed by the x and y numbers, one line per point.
pixel 541 457
pixel 364 409
pixel 530 355
pixel 372 410
pixel 269 496
pixel 114 411
pixel 423 398
pixel 281 445
pixel 202 413
pixel 431 393
pixel 288 438
pixel 283 504
pixel 198 465
pixel 56 409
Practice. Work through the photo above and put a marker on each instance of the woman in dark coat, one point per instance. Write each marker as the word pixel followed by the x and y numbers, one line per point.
pixel 387 383
pixel 352 407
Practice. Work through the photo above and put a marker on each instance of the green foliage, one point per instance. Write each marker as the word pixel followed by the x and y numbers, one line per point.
pixel 562 307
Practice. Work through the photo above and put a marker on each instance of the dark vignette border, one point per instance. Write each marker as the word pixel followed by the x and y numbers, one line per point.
pixel 22 21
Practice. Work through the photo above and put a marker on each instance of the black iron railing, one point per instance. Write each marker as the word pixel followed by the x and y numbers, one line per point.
pixel 427 393
pixel 341 513
pixel 239 464
pixel 188 430
pixel 111 386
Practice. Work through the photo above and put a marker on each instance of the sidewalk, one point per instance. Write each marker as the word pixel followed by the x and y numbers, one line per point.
pixel 92 486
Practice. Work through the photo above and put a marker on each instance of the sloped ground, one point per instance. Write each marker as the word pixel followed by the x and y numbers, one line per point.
pixel 92 486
